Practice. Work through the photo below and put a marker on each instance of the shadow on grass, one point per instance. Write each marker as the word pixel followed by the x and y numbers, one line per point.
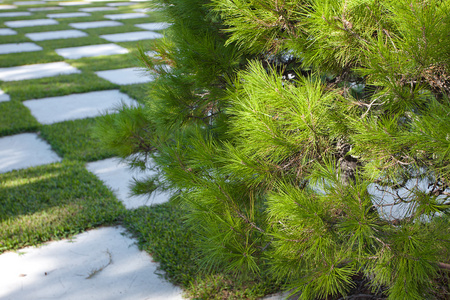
pixel 52 202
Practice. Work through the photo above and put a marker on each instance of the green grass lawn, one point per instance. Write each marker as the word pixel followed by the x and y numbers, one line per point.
pixel 59 200
pixel 56 201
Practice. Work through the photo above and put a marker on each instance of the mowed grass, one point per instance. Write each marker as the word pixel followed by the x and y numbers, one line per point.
pixel 52 202
pixel 73 140
pixel 55 201
pixel 162 232
pixel 59 200
pixel 56 86
pixel 16 118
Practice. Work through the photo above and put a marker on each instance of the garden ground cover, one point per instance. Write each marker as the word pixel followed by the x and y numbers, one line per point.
pixel 51 97
pixel 58 60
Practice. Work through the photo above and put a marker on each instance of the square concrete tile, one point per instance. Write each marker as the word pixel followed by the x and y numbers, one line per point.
pixel 153 26
pixel 95 24
pixel 55 35
pixel 94 9
pixel 4 97
pixel 118 176
pixel 23 151
pixel 36 71
pixel 125 16
pixel 73 3
pixel 29 2
pixel 7 31
pixel 77 106
pixel 6 6
pixel 145 10
pixel 64 270
pixel 126 76
pixel 15 14
pixel 31 23
pixel 18 48
pixel 131 36
pixel 90 51
pixel 49 8
pixel 115 4
pixel 68 15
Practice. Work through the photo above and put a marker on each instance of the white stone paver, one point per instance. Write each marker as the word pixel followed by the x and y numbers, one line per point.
pixel 101 264
pixel 153 26
pixel 90 51
pixel 95 24
pixel 15 14
pixel 7 31
pixel 31 23
pixel 125 16
pixel 4 97
pixel 49 8
pixel 126 76
pixel 73 3
pixel 389 197
pixel 142 10
pixel 36 71
pixel 18 48
pixel 29 2
pixel 7 6
pixel 94 9
pixel 76 106
pixel 115 4
pixel 55 35
pixel 118 176
pixel 23 151
pixel 68 15
pixel 131 36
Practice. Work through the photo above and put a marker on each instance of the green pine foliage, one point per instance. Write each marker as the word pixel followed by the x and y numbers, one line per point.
pixel 278 124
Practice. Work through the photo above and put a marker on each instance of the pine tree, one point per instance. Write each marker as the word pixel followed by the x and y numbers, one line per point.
pixel 307 137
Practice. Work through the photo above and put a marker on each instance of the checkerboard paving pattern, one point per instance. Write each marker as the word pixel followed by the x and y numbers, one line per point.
pixel 45 48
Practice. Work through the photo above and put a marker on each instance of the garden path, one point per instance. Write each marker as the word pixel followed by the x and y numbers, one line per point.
pixel 102 263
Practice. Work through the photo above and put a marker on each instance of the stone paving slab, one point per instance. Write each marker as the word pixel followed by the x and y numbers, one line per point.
pixel 6 6
pixel 55 35
pixel 49 8
pixel 31 23
pixel 145 10
pixel 7 31
pixel 100 264
pixel 15 14
pixel 73 3
pixel 29 2
pixel 4 97
pixel 23 151
pixel 115 4
pixel 90 51
pixel 95 24
pixel 36 71
pixel 125 76
pixel 131 36
pixel 154 26
pixel 19 47
pixel 76 106
pixel 68 15
pixel 94 9
pixel 125 16
pixel 118 176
